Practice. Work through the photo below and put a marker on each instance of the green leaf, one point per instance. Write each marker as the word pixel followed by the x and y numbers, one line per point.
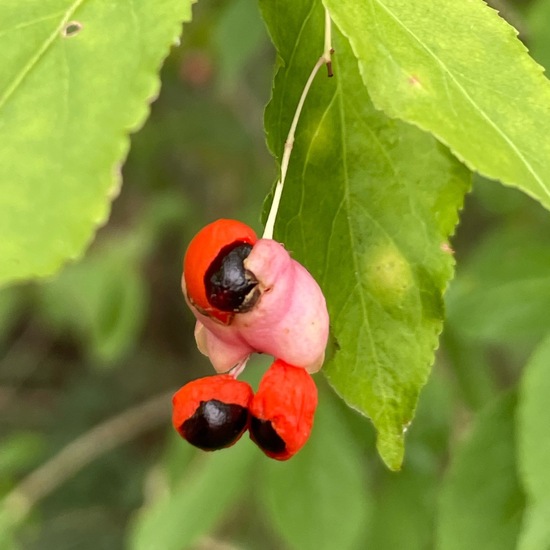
pixel 404 511
pixel 8 530
pixel 470 366
pixel 539 39
pixel 102 300
pixel 367 207
pixel 319 499
pixel 238 35
pixel 534 448
pixel 213 481
pixel 502 292
pixel 481 500
pixel 20 451
pixel 430 432
pixel 456 69
pixel 76 78
pixel 408 499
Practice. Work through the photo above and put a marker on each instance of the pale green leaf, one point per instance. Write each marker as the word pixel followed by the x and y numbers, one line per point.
pixel 481 501
pixel 319 500
pixel 75 79
pixel 368 206
pixel 456 69
pixel 212 482
pixel 534 448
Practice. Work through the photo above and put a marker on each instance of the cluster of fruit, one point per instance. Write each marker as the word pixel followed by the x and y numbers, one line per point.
pixel 250 296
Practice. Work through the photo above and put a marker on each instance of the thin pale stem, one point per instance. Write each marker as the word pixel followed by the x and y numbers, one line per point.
pixel 83 450
pixel 328 51
pixel 325 59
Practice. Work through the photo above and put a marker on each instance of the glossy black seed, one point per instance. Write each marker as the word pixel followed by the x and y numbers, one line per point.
pixel 215 425
pixel 228 284
pixel 265 436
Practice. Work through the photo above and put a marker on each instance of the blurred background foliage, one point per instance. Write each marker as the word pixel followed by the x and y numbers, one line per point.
pixel 111 333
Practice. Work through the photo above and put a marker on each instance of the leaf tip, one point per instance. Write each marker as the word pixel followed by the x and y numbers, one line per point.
pixel 391 448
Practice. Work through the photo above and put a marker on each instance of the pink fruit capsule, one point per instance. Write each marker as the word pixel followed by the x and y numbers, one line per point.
pixel 281 310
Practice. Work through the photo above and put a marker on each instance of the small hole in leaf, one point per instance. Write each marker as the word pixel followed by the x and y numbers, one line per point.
pixel 72 28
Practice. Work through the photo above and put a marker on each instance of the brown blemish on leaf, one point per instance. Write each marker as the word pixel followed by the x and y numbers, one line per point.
pixel 414 82
pixel 72 28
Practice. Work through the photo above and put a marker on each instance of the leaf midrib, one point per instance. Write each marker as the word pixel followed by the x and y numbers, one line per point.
pixel 382 395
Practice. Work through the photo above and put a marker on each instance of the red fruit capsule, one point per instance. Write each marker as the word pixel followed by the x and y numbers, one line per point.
pixel 214 277
pixel 212 412
pixel 282 411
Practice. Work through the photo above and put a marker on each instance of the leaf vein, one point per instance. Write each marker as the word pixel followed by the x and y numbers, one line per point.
pixel 26 24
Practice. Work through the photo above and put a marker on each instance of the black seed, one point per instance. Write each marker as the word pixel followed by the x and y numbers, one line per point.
pixel 215 425
pixel 263 433
pixel 229 286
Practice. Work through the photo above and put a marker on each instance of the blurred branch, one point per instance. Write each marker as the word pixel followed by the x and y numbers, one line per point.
pixel 6 396
pixel 84 450
pixel 209 543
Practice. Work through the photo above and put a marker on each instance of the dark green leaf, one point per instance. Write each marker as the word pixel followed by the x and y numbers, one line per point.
pixel 482 502
pixel 502 293
pixel 368 206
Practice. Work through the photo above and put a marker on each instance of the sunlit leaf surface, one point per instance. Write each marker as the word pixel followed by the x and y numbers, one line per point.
pixel 456 69
pixel 75 79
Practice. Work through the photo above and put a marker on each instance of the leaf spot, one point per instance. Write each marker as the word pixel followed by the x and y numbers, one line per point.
pixel 389 275
pixel 72 28
pixel 414 82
